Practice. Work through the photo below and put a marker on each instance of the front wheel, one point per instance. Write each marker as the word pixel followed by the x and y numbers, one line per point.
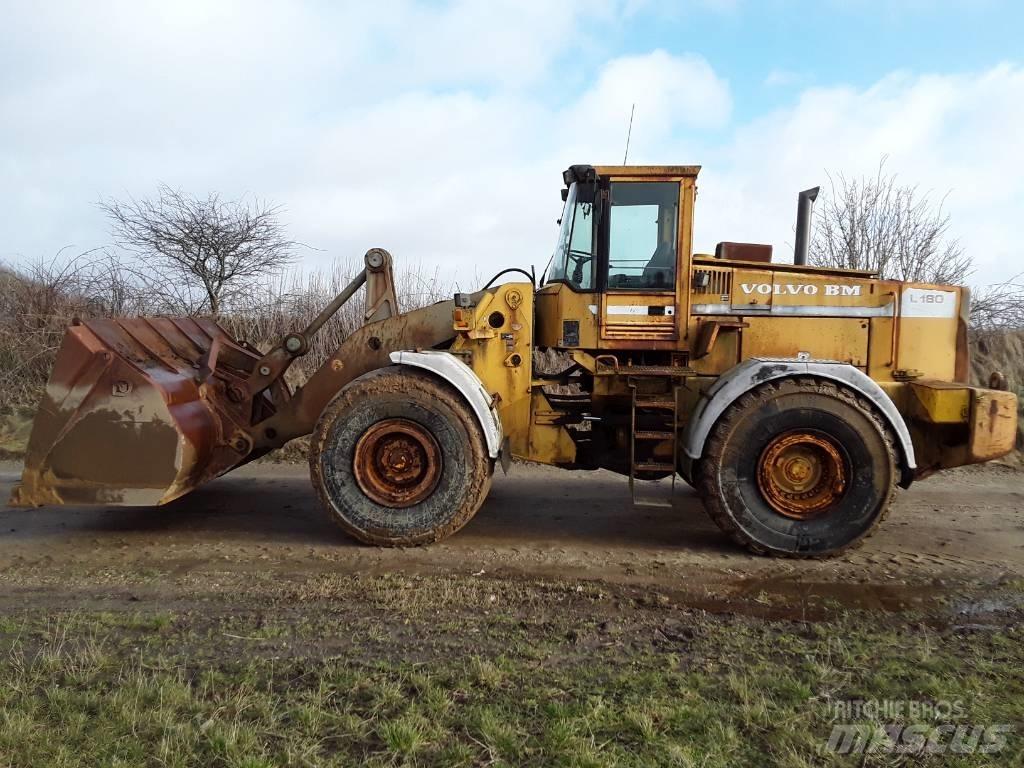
pixel 398 458
pixel 799 467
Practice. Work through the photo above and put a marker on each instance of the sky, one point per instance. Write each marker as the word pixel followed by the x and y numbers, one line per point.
pixel 439 130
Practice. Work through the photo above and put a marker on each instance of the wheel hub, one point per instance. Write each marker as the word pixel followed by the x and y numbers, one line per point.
pixel 801 474
pixel 397 463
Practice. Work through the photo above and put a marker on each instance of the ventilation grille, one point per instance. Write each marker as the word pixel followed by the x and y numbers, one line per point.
pixel 713 282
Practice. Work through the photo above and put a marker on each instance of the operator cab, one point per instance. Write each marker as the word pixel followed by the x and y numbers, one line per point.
pixel 624 237
pixel 636 248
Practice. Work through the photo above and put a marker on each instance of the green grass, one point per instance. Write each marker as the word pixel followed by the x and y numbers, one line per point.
pixel 127 690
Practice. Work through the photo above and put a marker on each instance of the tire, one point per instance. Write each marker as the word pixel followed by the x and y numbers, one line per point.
pixel 799 468
pixel 422 470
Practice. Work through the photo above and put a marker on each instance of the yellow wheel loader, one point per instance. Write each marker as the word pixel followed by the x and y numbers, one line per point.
pixel 794 399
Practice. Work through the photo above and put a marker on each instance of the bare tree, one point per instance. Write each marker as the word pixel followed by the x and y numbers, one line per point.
pixel 998 307
pixel 889 228
pixel 208 250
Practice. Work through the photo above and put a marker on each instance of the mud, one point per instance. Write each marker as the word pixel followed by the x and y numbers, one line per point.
pixel 949 541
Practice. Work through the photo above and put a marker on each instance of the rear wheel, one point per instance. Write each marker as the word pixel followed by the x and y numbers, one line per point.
pixel 799 467
pixel 399 459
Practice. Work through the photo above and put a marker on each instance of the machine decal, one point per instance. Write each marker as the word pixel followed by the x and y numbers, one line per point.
pixel 799 289
pixel 927 302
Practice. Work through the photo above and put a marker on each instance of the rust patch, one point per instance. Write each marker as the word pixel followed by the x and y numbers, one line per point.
pixel 801 474
pixel 139 411
pixel 397 463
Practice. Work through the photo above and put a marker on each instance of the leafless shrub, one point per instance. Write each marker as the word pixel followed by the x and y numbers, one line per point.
pixel 893 229
pixel 1000 307
pixel 211 251
pixel 38 301
pixel 292 299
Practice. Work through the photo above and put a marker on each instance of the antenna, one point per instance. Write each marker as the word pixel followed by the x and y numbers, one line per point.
pixel 629 133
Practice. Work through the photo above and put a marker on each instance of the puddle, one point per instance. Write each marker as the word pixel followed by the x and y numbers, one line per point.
pixel 987 613
pixel 791 598
pixel 1002 603
pixel 786 598
pixel 788 593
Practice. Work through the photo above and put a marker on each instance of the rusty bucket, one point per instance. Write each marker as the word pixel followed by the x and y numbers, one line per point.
pixel 139 412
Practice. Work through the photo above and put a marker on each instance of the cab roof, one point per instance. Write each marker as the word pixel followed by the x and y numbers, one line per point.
pixel 647 170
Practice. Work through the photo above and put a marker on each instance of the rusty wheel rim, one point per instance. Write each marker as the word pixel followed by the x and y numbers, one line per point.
pixel 397 463
pixel 801 474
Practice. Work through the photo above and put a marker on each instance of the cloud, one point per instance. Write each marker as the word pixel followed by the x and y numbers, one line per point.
pixel 440 130
pixel 945 133
pixel 471 181
pixel 779 78
pixel 422 136
pixel 672 93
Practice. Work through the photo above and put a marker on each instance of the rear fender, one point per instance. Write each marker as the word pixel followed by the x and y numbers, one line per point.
pixel 448 367
pixel 751 373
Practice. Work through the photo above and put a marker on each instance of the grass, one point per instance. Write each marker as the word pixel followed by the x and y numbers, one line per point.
pixel 181 689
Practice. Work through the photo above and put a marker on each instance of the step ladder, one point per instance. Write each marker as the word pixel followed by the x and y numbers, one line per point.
pixel 664 406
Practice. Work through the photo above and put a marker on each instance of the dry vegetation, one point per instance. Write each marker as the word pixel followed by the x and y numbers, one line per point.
pixel 39 300
pixel 880 224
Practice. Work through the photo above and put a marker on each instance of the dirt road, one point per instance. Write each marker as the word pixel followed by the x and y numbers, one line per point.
pixel 966 527
pixel 561 626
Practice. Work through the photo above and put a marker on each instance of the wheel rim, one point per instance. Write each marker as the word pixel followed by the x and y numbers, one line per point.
pixel 397 463
pixel 801 474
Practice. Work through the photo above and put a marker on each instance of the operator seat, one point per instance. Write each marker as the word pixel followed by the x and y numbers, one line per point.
pixel 660 271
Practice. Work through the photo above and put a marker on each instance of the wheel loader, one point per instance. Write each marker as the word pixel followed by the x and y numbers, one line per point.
pixel 794 399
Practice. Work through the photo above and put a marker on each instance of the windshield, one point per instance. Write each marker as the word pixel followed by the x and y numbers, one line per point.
pixel 573 259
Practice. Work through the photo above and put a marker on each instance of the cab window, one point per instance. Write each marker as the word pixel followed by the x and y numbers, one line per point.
pixel 643 233
pixel 573 259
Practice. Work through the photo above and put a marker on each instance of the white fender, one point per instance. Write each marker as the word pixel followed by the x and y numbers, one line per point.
pixel 461 376
pixel 750 373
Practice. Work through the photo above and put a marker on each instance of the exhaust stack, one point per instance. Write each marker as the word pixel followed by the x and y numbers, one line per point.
pixel 805 202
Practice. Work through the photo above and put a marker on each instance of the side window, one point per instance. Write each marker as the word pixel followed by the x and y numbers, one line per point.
pixel 643 235
pixel 580 267
pixel 573 259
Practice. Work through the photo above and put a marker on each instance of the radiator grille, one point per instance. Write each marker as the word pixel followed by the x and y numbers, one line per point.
pixel 713 282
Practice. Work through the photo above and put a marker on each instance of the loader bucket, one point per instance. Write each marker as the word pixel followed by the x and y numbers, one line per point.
pixel 138 412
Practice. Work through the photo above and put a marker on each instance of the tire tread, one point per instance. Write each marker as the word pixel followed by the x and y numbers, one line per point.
pixel 709 466
pixel 406 380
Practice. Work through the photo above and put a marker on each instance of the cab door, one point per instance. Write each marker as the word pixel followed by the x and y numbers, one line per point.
pixel 640 300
